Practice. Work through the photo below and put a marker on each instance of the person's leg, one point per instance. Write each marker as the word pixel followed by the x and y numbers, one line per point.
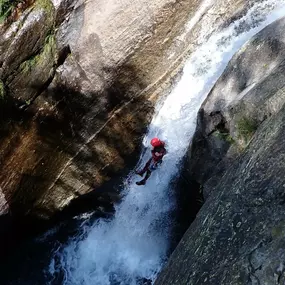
pixel 142 182
pixel 145 169
pixel 148 173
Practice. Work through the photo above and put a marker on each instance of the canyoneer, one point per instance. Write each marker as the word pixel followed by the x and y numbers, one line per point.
pixel 157 154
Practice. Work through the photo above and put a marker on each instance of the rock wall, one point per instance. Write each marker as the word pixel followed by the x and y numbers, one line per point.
pixel 78 84
pixel 238 157
pixel 249 91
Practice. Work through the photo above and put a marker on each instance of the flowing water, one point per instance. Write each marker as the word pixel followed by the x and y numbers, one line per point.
pixel 133 245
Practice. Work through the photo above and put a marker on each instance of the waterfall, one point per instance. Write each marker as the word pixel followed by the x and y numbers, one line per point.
pixel 132 246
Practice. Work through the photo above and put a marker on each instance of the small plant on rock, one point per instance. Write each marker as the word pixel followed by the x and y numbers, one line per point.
pixel 6 8
pixel 225 136
pixel 246 128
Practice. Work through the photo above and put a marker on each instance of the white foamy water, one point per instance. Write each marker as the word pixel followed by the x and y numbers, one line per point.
pixel 134 243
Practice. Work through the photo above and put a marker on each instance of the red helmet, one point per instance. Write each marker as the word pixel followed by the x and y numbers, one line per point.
pixel 155 142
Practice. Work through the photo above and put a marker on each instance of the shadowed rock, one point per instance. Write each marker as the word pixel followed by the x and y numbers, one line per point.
pixel 80 80
pixel 250 90
pixel 238 235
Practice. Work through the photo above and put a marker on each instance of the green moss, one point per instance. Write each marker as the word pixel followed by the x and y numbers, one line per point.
pixel 28 65
pixel 45 5
pixel 50 44
pixel 6 7
pixel 225 136
pixel 278 231
pixel 246 128
pixel 28 102
pixel 46 54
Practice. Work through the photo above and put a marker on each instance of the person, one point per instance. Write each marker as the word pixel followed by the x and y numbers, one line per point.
pixel 157 153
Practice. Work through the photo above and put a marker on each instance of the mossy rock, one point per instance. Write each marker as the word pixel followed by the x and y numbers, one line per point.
pixel 35 72
pixel 28 65
pixel 46 5
pixel 246 128
pixel 278 231
pixel 225 136
pixel 48 53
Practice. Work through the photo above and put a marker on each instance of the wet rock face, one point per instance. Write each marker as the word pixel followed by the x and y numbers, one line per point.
pixel 76 81
pixel 250 90
pixel 238 235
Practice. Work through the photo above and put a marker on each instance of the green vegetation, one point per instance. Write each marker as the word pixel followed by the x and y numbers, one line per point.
pixel 48 8
pixel 28 65
pixel 28 102
pixel 6 7
pixel 246 128
pixel 278 231
pixel 45 5
pixel 47 54
pixel 225 136
pixel 50 45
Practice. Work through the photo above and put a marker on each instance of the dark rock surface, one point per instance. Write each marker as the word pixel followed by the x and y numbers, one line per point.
pixel 238 235
pixel 250 90
pixel 78 81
